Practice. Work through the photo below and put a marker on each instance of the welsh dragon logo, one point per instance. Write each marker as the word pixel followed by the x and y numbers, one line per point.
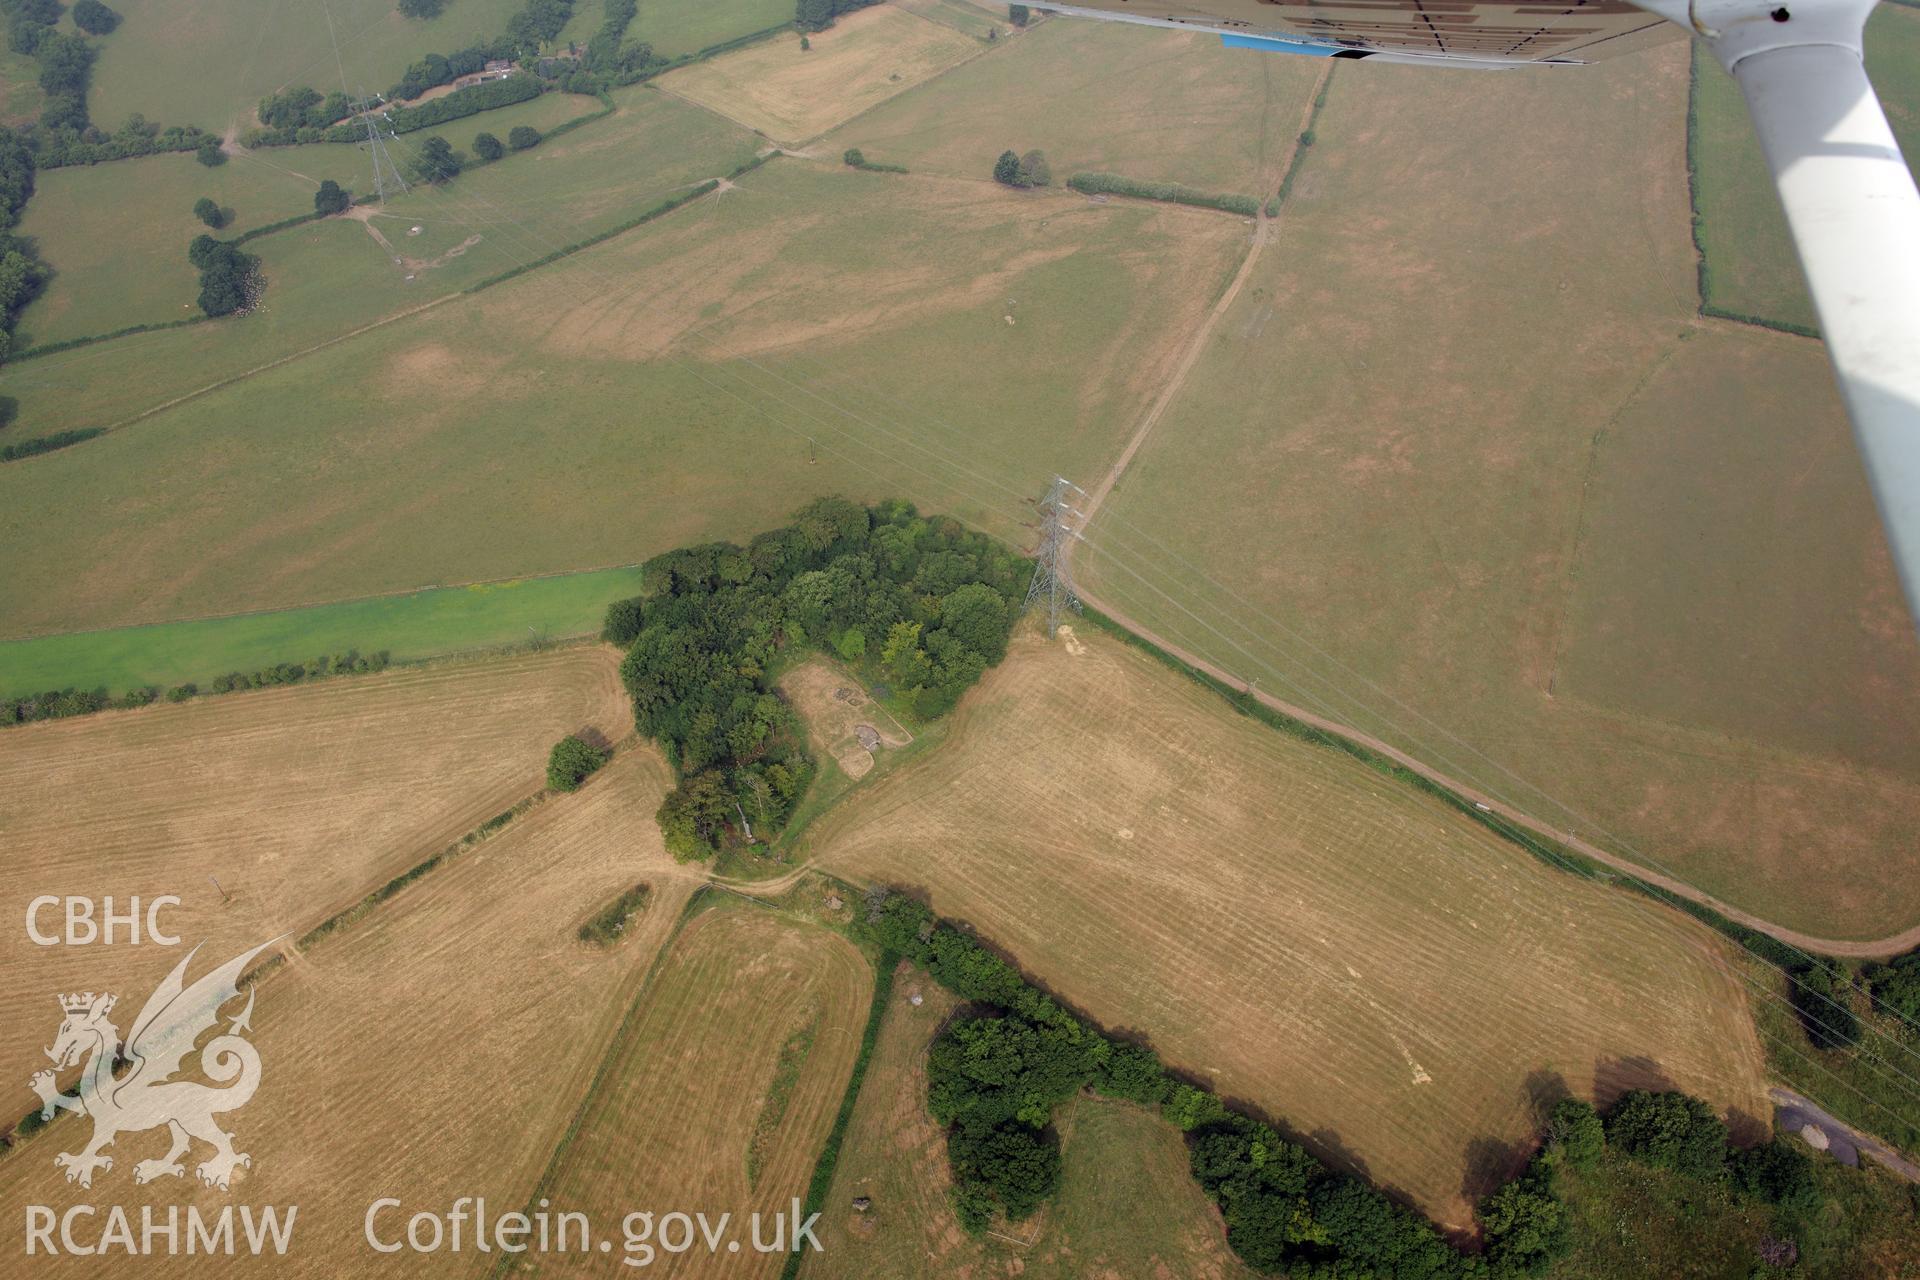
pixel 142 1094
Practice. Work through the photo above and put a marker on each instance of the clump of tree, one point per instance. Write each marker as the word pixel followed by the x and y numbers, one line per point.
pixel 436 69
pixel 1895 985
pixel 229 279
pixel 422 10
pixel 1819 999
pixel 522 137
pixel 209 212
pixel 572 761
pixel 471 100
pixel 331 198
pixel 303 108
pixel 818 15
pixel 487 148
pixel 539 23
pixel 1018 15
pixel 1030 170
pixel 209 153
pixel 437 161
pixel 923 605
pixel 94 18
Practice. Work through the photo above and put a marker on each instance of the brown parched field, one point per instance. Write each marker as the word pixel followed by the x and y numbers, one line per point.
pixel 1388 979
pixel 721 1088
pixel 435 1049
pixel 296 800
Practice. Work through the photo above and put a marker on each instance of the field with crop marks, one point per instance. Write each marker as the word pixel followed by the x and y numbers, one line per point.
pixel 435 1049
pixel 267 811
pixel 1158 105
pixel 723 1083
pixel 1127 1206
pixel 211 64
pixel 1424 437
pixel 666 387
pixel 1364 964
pixel 522 613
pixel 1751 267
pixel 120 262
pixel 790 94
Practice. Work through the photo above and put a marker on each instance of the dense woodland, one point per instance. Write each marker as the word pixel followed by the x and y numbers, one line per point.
pixel 920 606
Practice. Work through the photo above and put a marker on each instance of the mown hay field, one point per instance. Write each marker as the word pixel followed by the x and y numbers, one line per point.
pixel 698 378
pixel 436 1049
pixel 211 62
pixel 1127 1205
pixel 1382 976
pixel 1752 269
pixel 1164 106
pixel 1415 459
pixel 721 1088
pixel 790 94
pixel 121 260
pixel 331 278
pixel 297 801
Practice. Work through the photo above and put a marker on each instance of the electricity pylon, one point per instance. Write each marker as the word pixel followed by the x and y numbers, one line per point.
pixel 1052 583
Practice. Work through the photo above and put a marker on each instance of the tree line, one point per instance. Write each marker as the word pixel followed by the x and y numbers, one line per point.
pixel 818 15
pixel 920 606
pixel 58 704
pixel 995 1078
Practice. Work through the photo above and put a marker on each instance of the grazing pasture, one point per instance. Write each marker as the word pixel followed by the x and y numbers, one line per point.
pixel 697 378
pixel 210 63
pixel 676 27
pixel 417 624
pixel 1163 106
pixel 267 811
pixel 1127 1206
pixel 1417 483
pixel 1364 964
pixel 119 262
pixel 438 1048
pixel 790 94
pixel 722 1085
pixel 335 277
pixel 1751 266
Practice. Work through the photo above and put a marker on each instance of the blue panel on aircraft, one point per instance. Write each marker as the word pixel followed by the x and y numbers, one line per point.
pixel 1274 45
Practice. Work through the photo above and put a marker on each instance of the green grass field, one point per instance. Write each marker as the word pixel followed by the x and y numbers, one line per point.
pixel 553 422
pixel 120 262
pixel 419 624
pixel 676 27
pixel 20 93
pixel 1149 104
pixel 327 279
pixel 1490 477
pixel 1751 267
pixel 211 64
pixel 970 17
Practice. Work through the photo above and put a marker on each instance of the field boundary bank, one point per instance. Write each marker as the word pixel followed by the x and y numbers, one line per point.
pixel 31 1126
pixel 1704 306
pixel 1561 850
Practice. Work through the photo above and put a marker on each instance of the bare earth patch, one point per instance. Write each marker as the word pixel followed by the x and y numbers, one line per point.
pixel 841 718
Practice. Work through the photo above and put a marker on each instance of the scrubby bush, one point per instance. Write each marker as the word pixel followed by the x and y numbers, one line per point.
pixel 208 212
pixel 1034 170
pixel 1018 15
pixel 571 762
pixel 488 148
pixel 1576 1133
pixel 1779 1172
pixel 1895 986
pixel 1669 1131
pixel 421 10
pixel 208 153
pixel 522 136
pixel 1006 170
pixel 1822 1008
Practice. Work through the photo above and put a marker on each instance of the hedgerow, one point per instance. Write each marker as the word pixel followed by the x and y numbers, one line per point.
pixel 1171 192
